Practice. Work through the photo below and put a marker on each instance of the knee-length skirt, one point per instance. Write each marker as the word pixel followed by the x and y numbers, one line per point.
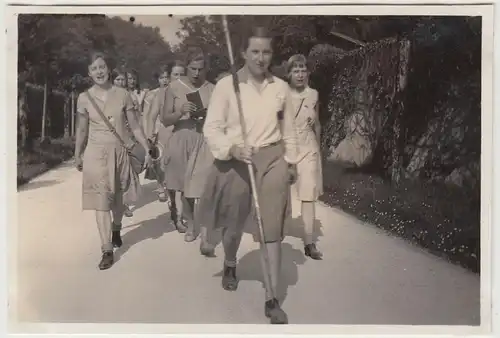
pixel 226 201
pixel 108 177
pixel 181 145
pixel 309 184
pixel 199 164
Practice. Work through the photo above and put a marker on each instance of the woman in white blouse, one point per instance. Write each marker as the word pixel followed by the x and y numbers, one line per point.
pixel 309 183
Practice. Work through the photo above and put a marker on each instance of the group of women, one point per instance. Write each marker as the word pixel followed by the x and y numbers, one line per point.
pixel 167 117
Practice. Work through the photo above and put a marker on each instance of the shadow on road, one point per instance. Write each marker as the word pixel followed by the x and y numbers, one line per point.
pixel 149 229
pixel 294 227
pixel 148 195
pixel 250 268
pixel 37 185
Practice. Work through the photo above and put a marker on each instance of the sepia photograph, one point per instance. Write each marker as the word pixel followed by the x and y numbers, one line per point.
pixel 251 167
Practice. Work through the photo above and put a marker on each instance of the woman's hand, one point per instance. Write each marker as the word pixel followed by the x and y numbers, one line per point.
pixel 79 163
pixel 188 108
pixel 243 154
pixel 311 122
pixel 148 161
pixel 292 173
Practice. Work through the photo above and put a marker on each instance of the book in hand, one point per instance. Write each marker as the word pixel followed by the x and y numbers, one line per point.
pixel 195 98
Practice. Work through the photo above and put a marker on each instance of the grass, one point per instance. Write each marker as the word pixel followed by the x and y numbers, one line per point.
pixel 42 157
pixel 443 219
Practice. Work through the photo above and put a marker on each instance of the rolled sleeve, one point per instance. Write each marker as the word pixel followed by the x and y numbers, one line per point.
pixel 214 129
pixel 81 104
pixel 288 131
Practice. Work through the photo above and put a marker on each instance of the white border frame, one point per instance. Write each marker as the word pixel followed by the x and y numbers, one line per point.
pixel 122 7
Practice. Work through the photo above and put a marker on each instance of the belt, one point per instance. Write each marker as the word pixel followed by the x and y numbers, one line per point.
pixel 269 145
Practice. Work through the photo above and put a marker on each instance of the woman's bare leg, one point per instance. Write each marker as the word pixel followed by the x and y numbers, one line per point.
pixel 308 217
pixel 103 219
pixel 188 216
pixel 206 249
pixel 174 212
pixel 162 194
pixel 116 226
pixel 128 210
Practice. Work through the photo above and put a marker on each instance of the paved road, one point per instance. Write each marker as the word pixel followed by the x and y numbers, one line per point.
pixel 366 277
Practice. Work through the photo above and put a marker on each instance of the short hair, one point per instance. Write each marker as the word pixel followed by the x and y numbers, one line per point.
pixel 117 72
pixel 94 55
pixel 177 63
pixel 193 54
pixel 161 70
pixel 134 72
pixel 296 60
pixel 256 32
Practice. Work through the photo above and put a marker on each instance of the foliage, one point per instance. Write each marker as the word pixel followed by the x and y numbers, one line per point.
pixel 444 64
pixel 42 158
pixel 294 34
pixel 372 71
pixel 448 74
pixel 55 112
pixel 440 218
pixel 57 45
pixel 140 47
pixel 61 44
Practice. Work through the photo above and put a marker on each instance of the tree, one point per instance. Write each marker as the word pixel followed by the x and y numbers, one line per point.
pixel 294 33
pixel 53 51
pixel 139 47
pixel 51 48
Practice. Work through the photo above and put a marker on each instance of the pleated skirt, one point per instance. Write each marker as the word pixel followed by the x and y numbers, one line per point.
pixel 108 177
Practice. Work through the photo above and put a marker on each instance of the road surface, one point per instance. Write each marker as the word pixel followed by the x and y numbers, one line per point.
pixel 366 277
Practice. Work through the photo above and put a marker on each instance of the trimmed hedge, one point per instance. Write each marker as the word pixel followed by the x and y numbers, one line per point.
pixel 42 157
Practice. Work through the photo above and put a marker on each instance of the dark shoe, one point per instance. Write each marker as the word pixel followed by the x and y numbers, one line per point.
pixel 181 226
pixel 229 280
pixel 128 212
pixel 107 260
pixel 190 236
pixel 206 249
pixel 310 250
pixel 116 239
pixel 173 216
pixel 274 311
pixel 162 196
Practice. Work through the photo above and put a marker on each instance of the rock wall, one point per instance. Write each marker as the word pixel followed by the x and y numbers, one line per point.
pixel 363 83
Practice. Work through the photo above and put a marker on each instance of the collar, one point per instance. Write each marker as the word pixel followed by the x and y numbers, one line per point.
pixel 243 75
pixel 302 94
pixel 189 86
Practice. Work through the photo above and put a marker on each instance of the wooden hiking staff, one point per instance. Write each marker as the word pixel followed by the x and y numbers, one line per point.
pixel 267 272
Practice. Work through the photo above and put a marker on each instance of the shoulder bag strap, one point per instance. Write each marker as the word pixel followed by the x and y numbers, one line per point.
pixel 300 107
pixel 106 121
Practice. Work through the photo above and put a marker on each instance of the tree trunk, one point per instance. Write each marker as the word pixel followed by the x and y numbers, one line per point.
pixel 67 119
pixel 23 121
pixel 398 145
pixel 44 111
pixel 73 113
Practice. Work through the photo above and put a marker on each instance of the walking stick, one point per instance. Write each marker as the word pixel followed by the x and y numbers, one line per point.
pixel 250 167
